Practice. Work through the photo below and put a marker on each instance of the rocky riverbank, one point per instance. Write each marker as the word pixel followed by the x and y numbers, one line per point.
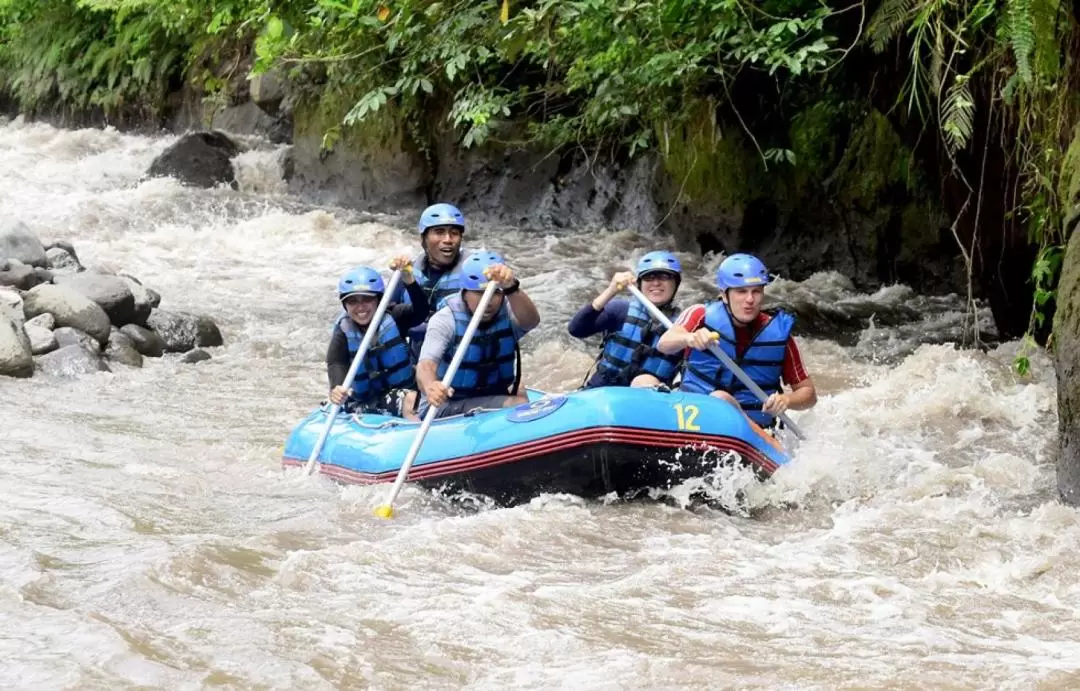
pixel 58 317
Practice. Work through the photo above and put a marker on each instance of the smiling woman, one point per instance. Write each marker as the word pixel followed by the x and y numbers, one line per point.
pixel 628 354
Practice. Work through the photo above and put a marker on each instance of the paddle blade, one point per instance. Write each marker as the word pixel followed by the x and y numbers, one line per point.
pixel 384 511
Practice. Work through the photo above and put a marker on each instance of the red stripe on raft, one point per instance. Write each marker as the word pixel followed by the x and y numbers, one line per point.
pixel 539 447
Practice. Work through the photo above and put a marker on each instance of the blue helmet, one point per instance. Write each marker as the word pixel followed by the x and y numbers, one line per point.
pixel 441 215
pixel 472 269
pixel 658 261
pixel 741 271
pixel 363 280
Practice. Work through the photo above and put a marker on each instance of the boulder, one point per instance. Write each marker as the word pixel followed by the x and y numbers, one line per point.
pixel 17 241
pixel 17 276
pixel 182 331
pixel 144 340
pixel 14 343
pixel 200 159
pixel 197 355
pixel 144 301
pixel 69 309
pixel 39 331
pixel 61 260
pixel 12 306
pixel 44 320
pixel 121 349
pixel 71 361
pixel 41 340
pixel 24 277
pixel 67 335
pixel 112 293
pixel 267 91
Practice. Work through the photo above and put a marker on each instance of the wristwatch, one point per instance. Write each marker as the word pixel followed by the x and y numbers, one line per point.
pixel 512 289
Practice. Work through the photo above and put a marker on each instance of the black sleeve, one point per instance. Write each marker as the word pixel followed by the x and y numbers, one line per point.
pixel 337 358
pixel 409 315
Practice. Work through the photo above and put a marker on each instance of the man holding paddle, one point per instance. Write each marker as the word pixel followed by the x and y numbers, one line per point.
pixel 489 371
pixel 761 344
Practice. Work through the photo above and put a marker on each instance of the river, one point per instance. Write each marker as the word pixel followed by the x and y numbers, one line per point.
pixel 149 539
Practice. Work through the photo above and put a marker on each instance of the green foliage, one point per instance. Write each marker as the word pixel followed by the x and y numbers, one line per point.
pixel 1018 48
pixel 578 71
pixel 114 55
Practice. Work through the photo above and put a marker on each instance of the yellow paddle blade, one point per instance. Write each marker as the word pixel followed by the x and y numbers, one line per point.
pixel 504 13
pixel 384 511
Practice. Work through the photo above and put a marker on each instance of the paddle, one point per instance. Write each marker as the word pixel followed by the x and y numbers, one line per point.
pixel 728 362
pixel 365 344
pixel 387 509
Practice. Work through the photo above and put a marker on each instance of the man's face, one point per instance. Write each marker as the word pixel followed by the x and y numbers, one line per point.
pixel 472 299
pixel 442 244
pixel 361 308
pixel 745 303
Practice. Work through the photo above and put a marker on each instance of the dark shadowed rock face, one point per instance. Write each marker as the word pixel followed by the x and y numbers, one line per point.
pixel 200 159
pixel 1067 364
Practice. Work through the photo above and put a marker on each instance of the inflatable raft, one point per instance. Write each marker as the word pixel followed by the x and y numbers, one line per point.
pixel 589 443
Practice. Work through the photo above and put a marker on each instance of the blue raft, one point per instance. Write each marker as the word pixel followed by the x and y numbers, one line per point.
pixel 589 443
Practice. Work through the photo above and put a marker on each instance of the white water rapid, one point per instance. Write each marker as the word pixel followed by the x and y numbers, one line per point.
pixel 149 539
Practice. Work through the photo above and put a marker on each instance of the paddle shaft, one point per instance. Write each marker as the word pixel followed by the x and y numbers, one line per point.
pixel 728 362
pixel 365 344
pixel 386 509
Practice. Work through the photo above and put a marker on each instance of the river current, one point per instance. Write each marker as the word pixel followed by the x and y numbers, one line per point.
pixel 149 538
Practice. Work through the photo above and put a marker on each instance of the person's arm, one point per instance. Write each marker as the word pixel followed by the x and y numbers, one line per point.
pixel 337 358
pixel 440 334
pixel 803 394
pixel 686 332
pixel 412 313
pixel 522 310
pixel 590 320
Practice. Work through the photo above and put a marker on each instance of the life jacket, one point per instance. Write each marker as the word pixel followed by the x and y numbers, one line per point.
pixel 631 350
pixel 763 361
pixel 386 364
pixel 438 289
pixel 489 366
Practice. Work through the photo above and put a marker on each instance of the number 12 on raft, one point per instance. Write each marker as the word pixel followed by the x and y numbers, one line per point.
pixel 686 415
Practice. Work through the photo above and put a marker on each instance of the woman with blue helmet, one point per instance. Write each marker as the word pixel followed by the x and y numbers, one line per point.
pixel 489 375
pixel 628 355
pixel 760 343
pixel 384 382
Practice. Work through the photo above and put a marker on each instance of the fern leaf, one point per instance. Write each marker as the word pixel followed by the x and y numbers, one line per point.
pixel 1021 28
pixel 888 21
pixel 957 115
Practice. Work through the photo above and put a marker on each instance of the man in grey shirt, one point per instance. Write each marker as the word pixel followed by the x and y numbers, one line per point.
pixel 486 377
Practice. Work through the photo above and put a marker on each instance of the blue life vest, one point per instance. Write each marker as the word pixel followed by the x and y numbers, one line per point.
pixel 438 289
pixel 763 361
pixel 489 365
pixel 631 350
pixel 386 364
